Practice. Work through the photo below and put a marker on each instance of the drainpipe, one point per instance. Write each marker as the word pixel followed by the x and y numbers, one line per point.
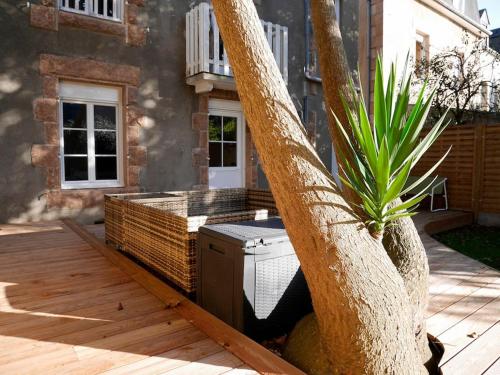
pixel 369 52
pixel 309 77
pixel 307 36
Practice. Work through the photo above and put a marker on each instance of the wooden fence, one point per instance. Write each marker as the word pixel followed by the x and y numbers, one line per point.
pixel 472 167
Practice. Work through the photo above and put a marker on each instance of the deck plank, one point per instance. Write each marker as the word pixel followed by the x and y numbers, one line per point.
pixel 478 356
pixel 465 332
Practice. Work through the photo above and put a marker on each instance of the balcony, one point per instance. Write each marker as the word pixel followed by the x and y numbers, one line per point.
pixel 207 64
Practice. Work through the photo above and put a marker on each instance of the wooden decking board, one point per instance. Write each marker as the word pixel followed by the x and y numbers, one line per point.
pixel 440 322
pixel 43 329
pixel 494 369
pixel 131 354
pixel 21 294
pixel 463 333
pixel 99 335
pixel 463 306
pixel 242 370
pixel 169 360
pixel 16 275
pixel 478 356
pixel 453 295
pixel 10 316
pixel 81 299
pixel 212 365
pixel 29 228
pixel 67 308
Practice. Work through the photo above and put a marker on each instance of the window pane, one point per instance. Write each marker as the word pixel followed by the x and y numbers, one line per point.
pixel 110 8
pixel 75 142
pixel 100 7
pixel 230 128
pixel 71 4
pixel 214 128
pixel 229 154
pixel 81 5
pixel 105 143
pixel 104 117
pixel 105 168
pixel 74 115
pixel 75 168
pixel 214 150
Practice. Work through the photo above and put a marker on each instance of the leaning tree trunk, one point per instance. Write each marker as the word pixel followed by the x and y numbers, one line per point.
pixel 401 239
pixel 359 298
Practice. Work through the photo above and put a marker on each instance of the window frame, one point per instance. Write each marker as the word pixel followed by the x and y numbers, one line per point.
pixel 89 10
pixel 237 116
pixel 91 182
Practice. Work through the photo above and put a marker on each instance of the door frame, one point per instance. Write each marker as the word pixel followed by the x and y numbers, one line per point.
pixel 221 106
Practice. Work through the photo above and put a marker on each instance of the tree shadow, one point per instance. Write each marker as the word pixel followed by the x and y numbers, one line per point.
pixel 56 290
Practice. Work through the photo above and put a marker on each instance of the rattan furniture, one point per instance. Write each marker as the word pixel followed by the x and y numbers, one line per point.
pixel 161 229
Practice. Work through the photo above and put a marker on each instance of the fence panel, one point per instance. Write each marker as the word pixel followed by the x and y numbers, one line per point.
pixel 457 167
pixel 490 194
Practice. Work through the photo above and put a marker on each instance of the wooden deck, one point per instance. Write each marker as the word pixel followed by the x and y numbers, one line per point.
pixel 464 306
pixel 70 305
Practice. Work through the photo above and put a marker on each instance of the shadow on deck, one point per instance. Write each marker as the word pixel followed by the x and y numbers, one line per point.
pixel 69 304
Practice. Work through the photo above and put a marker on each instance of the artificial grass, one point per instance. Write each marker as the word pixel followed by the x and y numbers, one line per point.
pixel 476 241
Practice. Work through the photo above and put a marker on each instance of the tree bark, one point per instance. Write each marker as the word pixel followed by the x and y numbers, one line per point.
pixel 359 298
pixel 407 252
pixel 401 239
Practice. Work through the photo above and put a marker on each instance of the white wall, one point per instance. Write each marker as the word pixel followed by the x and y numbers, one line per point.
pixel 398 32
pixel 403 19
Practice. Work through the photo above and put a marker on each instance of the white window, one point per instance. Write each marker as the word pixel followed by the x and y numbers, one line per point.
pixel 90 136
pixel 107 9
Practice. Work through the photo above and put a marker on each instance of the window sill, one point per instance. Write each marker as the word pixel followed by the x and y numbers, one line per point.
pixel 92 16
pixel 96 24
pixel 90 186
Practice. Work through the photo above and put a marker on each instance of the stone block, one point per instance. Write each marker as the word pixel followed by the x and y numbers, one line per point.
pixel 43 17
pixel 137 156
pixel 90 69
pixel 132 13
pixel 45 155
pixel 137 2
pixel 133 135
pixel 133 176
pixel 45 109
pixel 131 95
pixel 50 87
pixel 51 130
pixel 53 176
pixel 136 35
pixel 200 121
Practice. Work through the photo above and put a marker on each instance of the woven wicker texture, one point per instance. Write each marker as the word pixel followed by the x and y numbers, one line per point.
pixel 161 229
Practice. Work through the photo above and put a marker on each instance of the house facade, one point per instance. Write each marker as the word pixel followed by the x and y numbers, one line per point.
pixel 114 96
pixel 423 28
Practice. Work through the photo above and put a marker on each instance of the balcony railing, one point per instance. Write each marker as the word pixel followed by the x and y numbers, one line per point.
pixel 205 51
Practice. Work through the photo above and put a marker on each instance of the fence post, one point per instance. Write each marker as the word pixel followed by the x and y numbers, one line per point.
pixel 478 172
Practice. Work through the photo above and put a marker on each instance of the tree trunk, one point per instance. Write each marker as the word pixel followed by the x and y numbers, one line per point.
pixel 405 248
pixel 401 239
pixel 359 298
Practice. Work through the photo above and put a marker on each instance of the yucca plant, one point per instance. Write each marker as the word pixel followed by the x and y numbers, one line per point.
pixel 380 156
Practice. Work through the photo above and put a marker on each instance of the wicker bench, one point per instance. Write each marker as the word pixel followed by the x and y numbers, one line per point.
pixel 161 229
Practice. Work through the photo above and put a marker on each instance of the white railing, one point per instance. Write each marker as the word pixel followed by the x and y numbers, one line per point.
pixel 205 49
